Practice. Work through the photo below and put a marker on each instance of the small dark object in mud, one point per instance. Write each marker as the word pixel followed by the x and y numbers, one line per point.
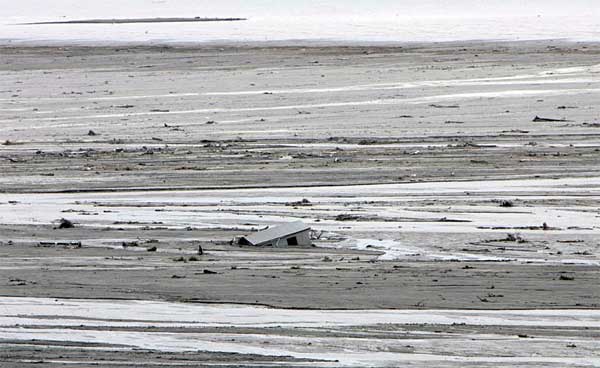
pixel 179 259
pixel 193 259
pixel 152 249
pixel 129 244
pixel 346 217
pixel 7 143
pixel 303 202
pixel 124 106
pixel 583 253
pixel 506 204
pixel 177 277
pixel 538 119
pixel 65 224
pixel 200 250
pixel 566 278
pixel 209 272
pixel 445 219
pixel 533 227
pixel 453 122
pixel 67 245
pixel 159 110
pixel 20 282
pixel 444 106
pixel 211 122
pixel 514 238
pixel 157 139
pixel 91 133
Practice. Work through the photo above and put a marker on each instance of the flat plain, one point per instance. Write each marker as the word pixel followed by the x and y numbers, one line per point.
pixel 452 189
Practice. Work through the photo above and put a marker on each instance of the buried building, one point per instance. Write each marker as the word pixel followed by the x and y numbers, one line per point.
pixel 293 233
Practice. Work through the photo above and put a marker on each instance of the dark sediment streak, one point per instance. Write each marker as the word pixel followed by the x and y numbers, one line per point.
pixel 139 20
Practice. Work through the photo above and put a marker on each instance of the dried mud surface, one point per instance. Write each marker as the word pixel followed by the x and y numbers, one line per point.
pixel 428 180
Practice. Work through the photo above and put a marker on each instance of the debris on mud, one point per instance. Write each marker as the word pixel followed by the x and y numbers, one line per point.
pixel 566 278
pixel 346 217
pixel 544 226
pixel 591 125
pixel 13 281
pixel 538 119
pixel 444 106
pixel 66 245
pixel 287 234
pixel 65 224
pixel 514 238
pixel 303 203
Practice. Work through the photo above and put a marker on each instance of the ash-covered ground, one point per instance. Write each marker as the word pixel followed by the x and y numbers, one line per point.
pixel 437 177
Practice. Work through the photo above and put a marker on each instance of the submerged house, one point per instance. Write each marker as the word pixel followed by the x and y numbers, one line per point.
pixel 292 233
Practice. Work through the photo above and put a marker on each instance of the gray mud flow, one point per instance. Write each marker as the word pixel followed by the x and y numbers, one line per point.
pixel 436 177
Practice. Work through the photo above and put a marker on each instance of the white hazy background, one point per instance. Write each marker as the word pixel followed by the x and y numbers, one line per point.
pixel 307 20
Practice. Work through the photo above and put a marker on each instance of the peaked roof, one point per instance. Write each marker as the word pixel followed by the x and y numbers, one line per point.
pixel 276 232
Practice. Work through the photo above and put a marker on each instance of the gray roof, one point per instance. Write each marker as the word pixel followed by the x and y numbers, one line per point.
pixel 277 232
